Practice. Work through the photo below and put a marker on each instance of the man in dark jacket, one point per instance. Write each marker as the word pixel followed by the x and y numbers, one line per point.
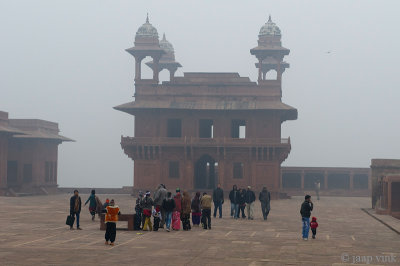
pixel 75 205
pixel 218 199
pixel 234 197
pixel 265 198
pixel 305 211
pixel 159 196
pixel 250 197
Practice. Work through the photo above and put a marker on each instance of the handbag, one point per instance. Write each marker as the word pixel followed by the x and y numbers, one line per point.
pixel 70 220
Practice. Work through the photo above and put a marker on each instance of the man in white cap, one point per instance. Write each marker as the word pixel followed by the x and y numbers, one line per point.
pixel 250 198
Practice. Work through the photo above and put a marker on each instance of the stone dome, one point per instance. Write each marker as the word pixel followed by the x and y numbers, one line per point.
pixel 166 45
pixel 147 30
pixel 270 28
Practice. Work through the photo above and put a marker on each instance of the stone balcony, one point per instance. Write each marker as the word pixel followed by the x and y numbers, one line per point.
pixel 204 142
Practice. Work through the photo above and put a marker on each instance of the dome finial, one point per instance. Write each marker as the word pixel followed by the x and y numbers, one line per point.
pixel 269 18
pixel 147 18
pixel 163 37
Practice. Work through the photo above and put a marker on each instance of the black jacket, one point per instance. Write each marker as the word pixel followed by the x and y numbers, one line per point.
pixel 242 196
pixel 218 195
pixel 250 196
pixel 72 205
pixel 264 196
pixel 168 205
pixel 306 209
pixel 234 196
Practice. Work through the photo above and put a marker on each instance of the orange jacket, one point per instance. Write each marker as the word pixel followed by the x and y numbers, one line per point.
pixel 112 214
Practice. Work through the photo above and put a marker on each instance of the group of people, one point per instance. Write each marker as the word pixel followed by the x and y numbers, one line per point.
pixel 241 199
pixel 170 211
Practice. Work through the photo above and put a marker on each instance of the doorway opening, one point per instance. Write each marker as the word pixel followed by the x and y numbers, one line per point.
pixel 206 173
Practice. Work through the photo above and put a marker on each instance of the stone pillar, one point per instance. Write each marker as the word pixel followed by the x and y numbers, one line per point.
pixel 278 71
pixel 302 180
pixel 172 73
pixel 389 197
pixel 325 179
pixel 156 72
pixel 351 180
pixel 3 162
pixel 260 70
pixel 138 68
pixel 221 173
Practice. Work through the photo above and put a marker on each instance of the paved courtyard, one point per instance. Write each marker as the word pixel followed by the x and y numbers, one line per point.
pixel 33 232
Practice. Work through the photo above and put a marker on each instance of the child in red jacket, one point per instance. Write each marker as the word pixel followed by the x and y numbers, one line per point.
pixel 314 226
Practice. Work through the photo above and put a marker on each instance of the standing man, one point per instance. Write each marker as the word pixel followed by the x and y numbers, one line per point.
pixel 159 196
pixel 250 198
pixel 305 211
pixel 75 205
pixel 218 198
pixel 234 198
pixel 317 186
pixel 111 219
pixel 265 198
pixel 205 204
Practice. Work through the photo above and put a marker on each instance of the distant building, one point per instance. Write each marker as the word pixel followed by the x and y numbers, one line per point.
pixel 28 155
pixel 335 181
pixel 206 128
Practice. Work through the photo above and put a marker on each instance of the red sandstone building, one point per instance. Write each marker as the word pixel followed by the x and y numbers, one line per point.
pixel 28 155
pixel 206 128
pixel 386 186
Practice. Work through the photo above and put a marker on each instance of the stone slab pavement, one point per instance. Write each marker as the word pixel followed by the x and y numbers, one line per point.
pixel 33 232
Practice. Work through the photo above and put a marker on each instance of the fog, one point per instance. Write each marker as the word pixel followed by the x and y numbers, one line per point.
pixel 64 61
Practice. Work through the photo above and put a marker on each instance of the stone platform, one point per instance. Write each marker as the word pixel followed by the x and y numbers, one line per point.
pixel 33 232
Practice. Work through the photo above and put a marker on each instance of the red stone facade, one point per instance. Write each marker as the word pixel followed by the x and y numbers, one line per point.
pixel 28 155
pixel 386 186
pixel 202 129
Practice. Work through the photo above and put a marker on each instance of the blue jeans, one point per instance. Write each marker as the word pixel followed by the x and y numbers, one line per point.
pixel 234 210
pixel 218 205
pixel 168 217
pixel 306 226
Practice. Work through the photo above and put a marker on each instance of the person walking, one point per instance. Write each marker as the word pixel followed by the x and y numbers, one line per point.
pixel 92 204
pixel 265 199
pixel 305 212
pixel 250 198
pixel 205 204
pixel 234 198
pixel 168 205
pixel 139 210
pixel 111 219
pixel 75 205
pixel 218 198
pixel 196 210
pixel 317 187
pixel 186 209
pixel 147 206
pixel 314 225
pixel 176 215
pixel 159 196
pixel 242 202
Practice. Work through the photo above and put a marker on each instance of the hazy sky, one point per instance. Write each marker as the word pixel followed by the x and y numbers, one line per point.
pixel 64 61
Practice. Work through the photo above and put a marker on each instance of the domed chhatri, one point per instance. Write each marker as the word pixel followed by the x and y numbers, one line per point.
pixel 167 60
pixel 166 45
pixel 147 30
pixel 270 28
